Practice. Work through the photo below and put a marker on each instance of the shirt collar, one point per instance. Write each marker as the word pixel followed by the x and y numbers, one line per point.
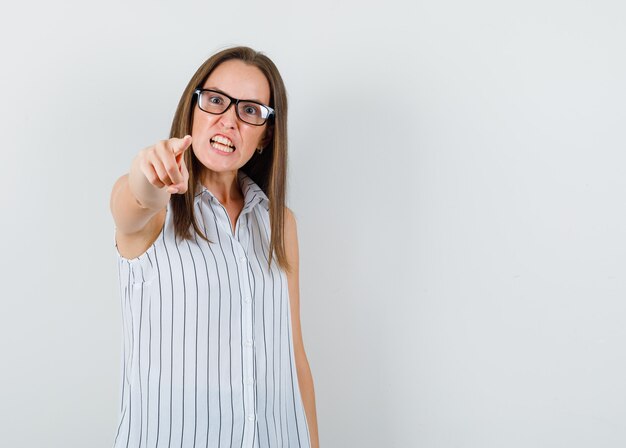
pixel 252 193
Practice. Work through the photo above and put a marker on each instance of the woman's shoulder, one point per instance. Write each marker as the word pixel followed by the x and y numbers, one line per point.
pixel 290 228
pixel 289 216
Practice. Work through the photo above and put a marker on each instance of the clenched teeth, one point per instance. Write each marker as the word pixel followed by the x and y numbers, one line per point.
pixel 221 147
pixel 223 140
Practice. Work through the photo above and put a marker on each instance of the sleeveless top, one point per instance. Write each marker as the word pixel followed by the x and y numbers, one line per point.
pixel 208 357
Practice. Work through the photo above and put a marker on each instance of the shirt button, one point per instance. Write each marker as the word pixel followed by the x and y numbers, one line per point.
pixel 250 381
pixel 251 417
pixel 249 343
pixel 242 258
pixel 248 300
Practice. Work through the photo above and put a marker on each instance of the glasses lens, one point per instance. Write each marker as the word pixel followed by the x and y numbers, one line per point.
pixel 213 102
pixel 252 113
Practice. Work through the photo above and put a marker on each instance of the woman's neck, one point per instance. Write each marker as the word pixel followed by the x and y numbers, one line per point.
pixel 224 186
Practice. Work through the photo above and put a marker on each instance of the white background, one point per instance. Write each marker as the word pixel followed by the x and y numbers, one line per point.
pixel 457 173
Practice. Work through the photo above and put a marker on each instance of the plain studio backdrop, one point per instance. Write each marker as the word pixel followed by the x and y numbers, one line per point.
pixel 456 171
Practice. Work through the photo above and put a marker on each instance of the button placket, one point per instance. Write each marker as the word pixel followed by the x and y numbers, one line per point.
pixel 248 333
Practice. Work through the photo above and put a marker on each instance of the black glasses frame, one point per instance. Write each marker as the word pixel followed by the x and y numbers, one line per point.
pixel 234 101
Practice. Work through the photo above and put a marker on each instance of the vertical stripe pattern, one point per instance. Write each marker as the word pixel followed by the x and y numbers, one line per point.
pixel 207 351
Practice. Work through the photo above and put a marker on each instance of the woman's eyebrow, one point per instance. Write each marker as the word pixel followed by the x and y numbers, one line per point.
pixel 225 93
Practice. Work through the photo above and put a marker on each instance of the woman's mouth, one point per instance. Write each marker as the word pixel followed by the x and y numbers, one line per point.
pixel 222 143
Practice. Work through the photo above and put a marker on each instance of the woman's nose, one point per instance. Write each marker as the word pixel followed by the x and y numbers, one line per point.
pixel 229 118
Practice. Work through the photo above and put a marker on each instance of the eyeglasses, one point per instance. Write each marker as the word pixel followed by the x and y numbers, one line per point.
pixel 248 111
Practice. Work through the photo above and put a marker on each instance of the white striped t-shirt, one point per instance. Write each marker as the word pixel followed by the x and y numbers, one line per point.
pixel 208 355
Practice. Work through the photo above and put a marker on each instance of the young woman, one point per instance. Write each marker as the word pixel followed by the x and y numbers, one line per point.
pixel 208 269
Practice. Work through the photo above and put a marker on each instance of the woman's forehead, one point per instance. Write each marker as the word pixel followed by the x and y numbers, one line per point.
pixel 239 80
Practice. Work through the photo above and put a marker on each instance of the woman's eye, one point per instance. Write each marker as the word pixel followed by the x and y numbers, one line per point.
pixel 251 110
pixel 215 100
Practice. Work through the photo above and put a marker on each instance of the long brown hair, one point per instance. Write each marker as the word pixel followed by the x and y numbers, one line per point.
pixel 268 170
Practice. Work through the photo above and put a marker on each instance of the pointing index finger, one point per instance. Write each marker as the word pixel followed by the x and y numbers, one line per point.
pixel 179 145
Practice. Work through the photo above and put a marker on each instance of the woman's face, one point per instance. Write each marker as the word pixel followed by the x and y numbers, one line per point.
pixel 238 80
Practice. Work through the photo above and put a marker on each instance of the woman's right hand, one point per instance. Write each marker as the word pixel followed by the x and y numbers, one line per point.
pixel 139 198
pixel 163 164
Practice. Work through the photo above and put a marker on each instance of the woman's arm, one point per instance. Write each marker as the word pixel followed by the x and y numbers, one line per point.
pixel 305 379
pixel 139 195
pixel 138 199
